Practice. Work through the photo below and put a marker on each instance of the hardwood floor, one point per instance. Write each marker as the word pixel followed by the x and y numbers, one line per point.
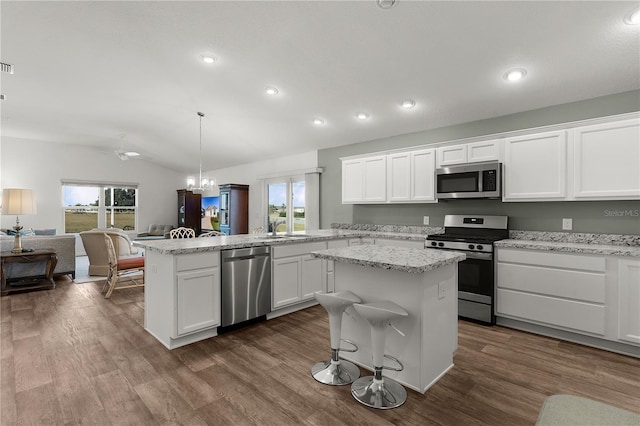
pixel 68 356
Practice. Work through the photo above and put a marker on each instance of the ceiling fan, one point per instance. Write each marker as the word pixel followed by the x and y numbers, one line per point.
pixel 126 155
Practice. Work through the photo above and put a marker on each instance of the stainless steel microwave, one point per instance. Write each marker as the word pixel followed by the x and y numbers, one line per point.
pixel 476 180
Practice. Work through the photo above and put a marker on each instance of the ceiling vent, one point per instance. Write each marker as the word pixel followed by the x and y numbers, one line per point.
pixel 8 68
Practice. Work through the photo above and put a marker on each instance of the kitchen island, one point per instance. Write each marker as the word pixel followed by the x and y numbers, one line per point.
pixel 183 279
pixel 424 283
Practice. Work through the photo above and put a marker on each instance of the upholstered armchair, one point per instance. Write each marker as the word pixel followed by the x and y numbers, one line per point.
pixel 95 247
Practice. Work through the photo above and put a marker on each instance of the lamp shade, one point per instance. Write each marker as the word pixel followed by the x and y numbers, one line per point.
pixel 18 201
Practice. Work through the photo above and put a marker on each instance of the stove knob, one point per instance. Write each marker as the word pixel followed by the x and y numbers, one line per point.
pixel 433 243
pixel 440 244
pixel 479 247
pixel 471 246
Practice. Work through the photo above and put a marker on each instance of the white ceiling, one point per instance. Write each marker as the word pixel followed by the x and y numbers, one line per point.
pixel 128 75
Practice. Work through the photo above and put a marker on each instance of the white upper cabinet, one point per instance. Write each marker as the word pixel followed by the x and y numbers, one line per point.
pixel 364 180
pixel 410 176
pixel 472 152
pixel 535 167
pixel 394 178
pixel 450 155
pixel 423 168
pixel 484 151
pixel 606 161
pixel 399 177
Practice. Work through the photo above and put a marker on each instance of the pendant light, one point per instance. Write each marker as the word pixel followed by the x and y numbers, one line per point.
pixel 204 183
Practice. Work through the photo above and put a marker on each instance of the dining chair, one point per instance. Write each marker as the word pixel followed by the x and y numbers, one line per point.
pixel 120 267
pixel 182 232
pixel 212 234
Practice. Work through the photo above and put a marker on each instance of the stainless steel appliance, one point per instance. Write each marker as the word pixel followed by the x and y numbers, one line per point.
pixel 246 284
pixel 474 235
pixel 476 180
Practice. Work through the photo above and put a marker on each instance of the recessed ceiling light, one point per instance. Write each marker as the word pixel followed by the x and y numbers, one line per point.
pixel 408 103
pixel 131 154
pixel 318 121
pixel 362 116
pixel 271 90
pixel 515 74
pixel 207 59
pixel 633 17
pixel 386 4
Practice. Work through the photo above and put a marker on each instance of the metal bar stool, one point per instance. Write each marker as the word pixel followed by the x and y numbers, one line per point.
pixel 376 391
pixel 335 371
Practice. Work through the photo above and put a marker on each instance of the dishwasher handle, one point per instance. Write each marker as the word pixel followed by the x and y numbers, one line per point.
pixel 248 257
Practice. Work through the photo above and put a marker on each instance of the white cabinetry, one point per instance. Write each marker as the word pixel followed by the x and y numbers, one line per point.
pixel 535 167
pixel 629 301
pixel 472 152
pixel 182 297
pixel 562 290
pixel 296 274
pixel 410 176
pixel 606 160
pixel 364 180
pixel 453 154
pixel 331 282
pixel 197 292
pixel 589 298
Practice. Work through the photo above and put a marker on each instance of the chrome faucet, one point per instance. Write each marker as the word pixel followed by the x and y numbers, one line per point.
pixel 274 227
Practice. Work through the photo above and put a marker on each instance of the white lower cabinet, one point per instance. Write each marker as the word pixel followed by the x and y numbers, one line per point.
pixel 629 301
pixel 197 292
pixel 182 296
pixel 591 295
pixel 329 264
pixel 197 300
pixel 296 275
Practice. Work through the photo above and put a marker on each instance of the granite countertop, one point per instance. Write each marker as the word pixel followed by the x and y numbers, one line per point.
pixel 195 245
pixel 572 247
pixel 403 259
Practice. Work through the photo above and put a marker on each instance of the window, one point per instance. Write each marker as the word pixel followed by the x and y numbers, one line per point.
pixel 286 205
pixel 88 206
pixel 292 202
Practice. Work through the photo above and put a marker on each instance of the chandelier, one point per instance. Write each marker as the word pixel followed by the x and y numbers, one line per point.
pixel 204 183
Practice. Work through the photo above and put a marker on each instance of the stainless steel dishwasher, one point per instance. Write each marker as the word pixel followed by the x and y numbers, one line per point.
pixel 246 284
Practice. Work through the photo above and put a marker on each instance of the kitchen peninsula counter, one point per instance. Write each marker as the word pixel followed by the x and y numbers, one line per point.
pixel 198 245
pixel 424 282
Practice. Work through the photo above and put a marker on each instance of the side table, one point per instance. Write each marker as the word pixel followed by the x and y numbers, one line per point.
pixel 27 270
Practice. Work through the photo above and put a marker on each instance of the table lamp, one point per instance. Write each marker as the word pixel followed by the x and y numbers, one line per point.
pixel 18 201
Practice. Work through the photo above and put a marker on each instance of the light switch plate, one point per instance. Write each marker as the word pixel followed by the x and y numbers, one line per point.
pixel 567 224
pixel 425 220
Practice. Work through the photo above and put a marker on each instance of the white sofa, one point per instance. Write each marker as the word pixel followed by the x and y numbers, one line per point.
pixel 94 245
pixel 64 245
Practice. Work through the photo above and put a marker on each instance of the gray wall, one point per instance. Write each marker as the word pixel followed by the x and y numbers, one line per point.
pixel 615 217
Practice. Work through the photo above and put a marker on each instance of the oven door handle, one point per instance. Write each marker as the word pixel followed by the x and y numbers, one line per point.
pixel 478 255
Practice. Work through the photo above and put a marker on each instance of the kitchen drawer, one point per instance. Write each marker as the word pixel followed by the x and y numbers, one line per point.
pixel 197 261
pixel 570 314
pixel 552 259
pixel 288 250
pixel 577 285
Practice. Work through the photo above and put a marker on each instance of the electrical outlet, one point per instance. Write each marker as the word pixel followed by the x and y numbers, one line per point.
pixel 425 220
pixel 441 290
pixel 567 224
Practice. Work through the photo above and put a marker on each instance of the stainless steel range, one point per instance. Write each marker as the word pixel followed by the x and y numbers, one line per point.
pixel 474 235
